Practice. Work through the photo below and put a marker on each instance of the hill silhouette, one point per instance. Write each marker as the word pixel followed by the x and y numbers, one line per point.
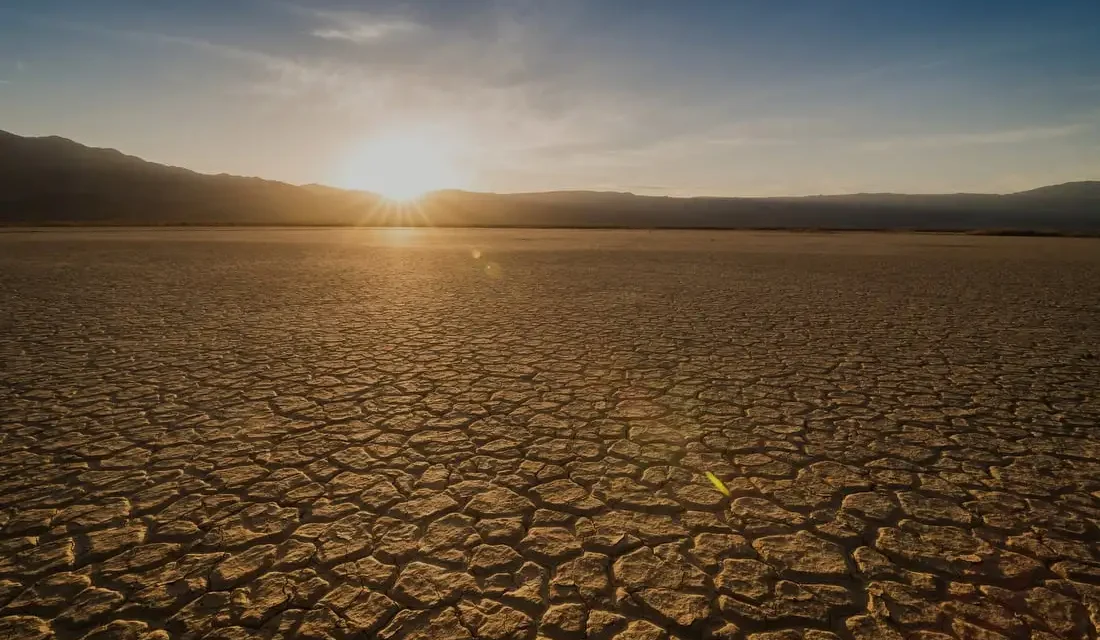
pixel 55 181
pixel 1085 190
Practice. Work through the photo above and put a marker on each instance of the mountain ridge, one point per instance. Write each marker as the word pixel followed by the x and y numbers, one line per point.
pixel 54 180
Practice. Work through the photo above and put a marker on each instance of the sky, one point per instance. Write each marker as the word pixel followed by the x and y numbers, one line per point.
pixel 662 97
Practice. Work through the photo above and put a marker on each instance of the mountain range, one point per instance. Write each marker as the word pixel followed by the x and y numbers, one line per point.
pixel 55 181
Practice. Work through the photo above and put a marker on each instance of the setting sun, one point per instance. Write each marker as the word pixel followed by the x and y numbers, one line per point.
pixel 404 165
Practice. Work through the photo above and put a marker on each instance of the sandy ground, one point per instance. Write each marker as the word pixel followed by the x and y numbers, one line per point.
pixel 249 433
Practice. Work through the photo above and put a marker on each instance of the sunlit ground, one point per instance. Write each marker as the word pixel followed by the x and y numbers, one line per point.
pixel 388 212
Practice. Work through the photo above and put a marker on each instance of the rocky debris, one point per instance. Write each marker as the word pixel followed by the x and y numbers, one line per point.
pixel 901 604
pixel 424 585
pixel 365 611
pixel 795 634
pixel 872 506
pixel 871 628
pixel 494 558
pixel 345 538
pixel 51 592
pixel 641 630
pixel 875 566
pixel 585 577
pixel 747 579
pixel 933 509
pixel 709 548
pixel 447 539
pixel 366 572
pixel 423 504
pixel 642 569
pixel 124 630
pixel 568 496
pixel 937 548
pixel 634 409
pixel 264 598
pixel 410 624
pixel 651 528
pixel 627 493
pixel 802 554
pixel 499 502
pixel 396 542
pixel 760 509
pixel 601 624
pixel 675 606
pixel 254 524
pixel 500 530
pixel 564 620
pixel 237 568
pixel 550 545
pixel 202 615
pixel 698 495
pixel 530 585
pixel 9 589
pixel 377 495
pixel 809 602
pixel 89 607
pixel 25 628
pixel 494 621
pixel 1064 616
pixel 39 559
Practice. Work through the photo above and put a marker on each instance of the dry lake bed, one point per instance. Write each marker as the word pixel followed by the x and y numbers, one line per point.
pixel 247 433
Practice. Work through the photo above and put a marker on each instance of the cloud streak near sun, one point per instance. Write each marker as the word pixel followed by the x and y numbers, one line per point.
pixel 360 28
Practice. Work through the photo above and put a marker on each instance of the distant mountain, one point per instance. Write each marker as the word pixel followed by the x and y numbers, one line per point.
pixel 1084 190
pixel 54 181
pixel 57 181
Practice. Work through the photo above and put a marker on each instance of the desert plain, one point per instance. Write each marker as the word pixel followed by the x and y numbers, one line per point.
pixel 237 434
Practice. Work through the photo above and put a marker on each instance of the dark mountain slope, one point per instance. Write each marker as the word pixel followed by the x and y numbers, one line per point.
pixel 52 180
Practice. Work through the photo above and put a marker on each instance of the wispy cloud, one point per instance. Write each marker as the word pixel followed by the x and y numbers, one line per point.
pixel 477 78
pixel 294 74
pixel 353 26
pixel 1003 136
pixel 361 29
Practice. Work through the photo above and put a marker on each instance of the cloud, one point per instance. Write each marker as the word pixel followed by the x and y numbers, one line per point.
pixel 478 79
pixel 363 29
pixel 356 27
pixel 946 140
pixel 495 72
pixel 294 74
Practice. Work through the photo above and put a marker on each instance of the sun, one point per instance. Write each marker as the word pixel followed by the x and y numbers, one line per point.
pixel 405 164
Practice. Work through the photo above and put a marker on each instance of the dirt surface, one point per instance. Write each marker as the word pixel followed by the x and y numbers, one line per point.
pixel 236 434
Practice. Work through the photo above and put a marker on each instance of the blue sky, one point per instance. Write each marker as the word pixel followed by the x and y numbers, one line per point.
pixel 724 97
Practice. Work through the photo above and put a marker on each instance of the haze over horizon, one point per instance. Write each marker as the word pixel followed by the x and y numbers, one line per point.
pixel 702 98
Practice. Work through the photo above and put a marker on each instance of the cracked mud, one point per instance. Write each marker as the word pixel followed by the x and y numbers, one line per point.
pixel 243 434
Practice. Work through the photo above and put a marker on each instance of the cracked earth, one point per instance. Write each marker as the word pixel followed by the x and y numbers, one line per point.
pixel 250 434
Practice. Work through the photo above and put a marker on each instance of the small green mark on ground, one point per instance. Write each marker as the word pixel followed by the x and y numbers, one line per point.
pixel 718 484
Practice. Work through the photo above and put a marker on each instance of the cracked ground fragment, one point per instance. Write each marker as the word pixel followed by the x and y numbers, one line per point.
pixel 261 435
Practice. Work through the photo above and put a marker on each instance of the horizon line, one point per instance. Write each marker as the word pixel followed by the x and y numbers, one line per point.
pixel 609 191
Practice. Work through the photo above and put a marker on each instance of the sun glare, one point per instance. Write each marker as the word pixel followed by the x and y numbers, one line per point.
pixel 404 165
